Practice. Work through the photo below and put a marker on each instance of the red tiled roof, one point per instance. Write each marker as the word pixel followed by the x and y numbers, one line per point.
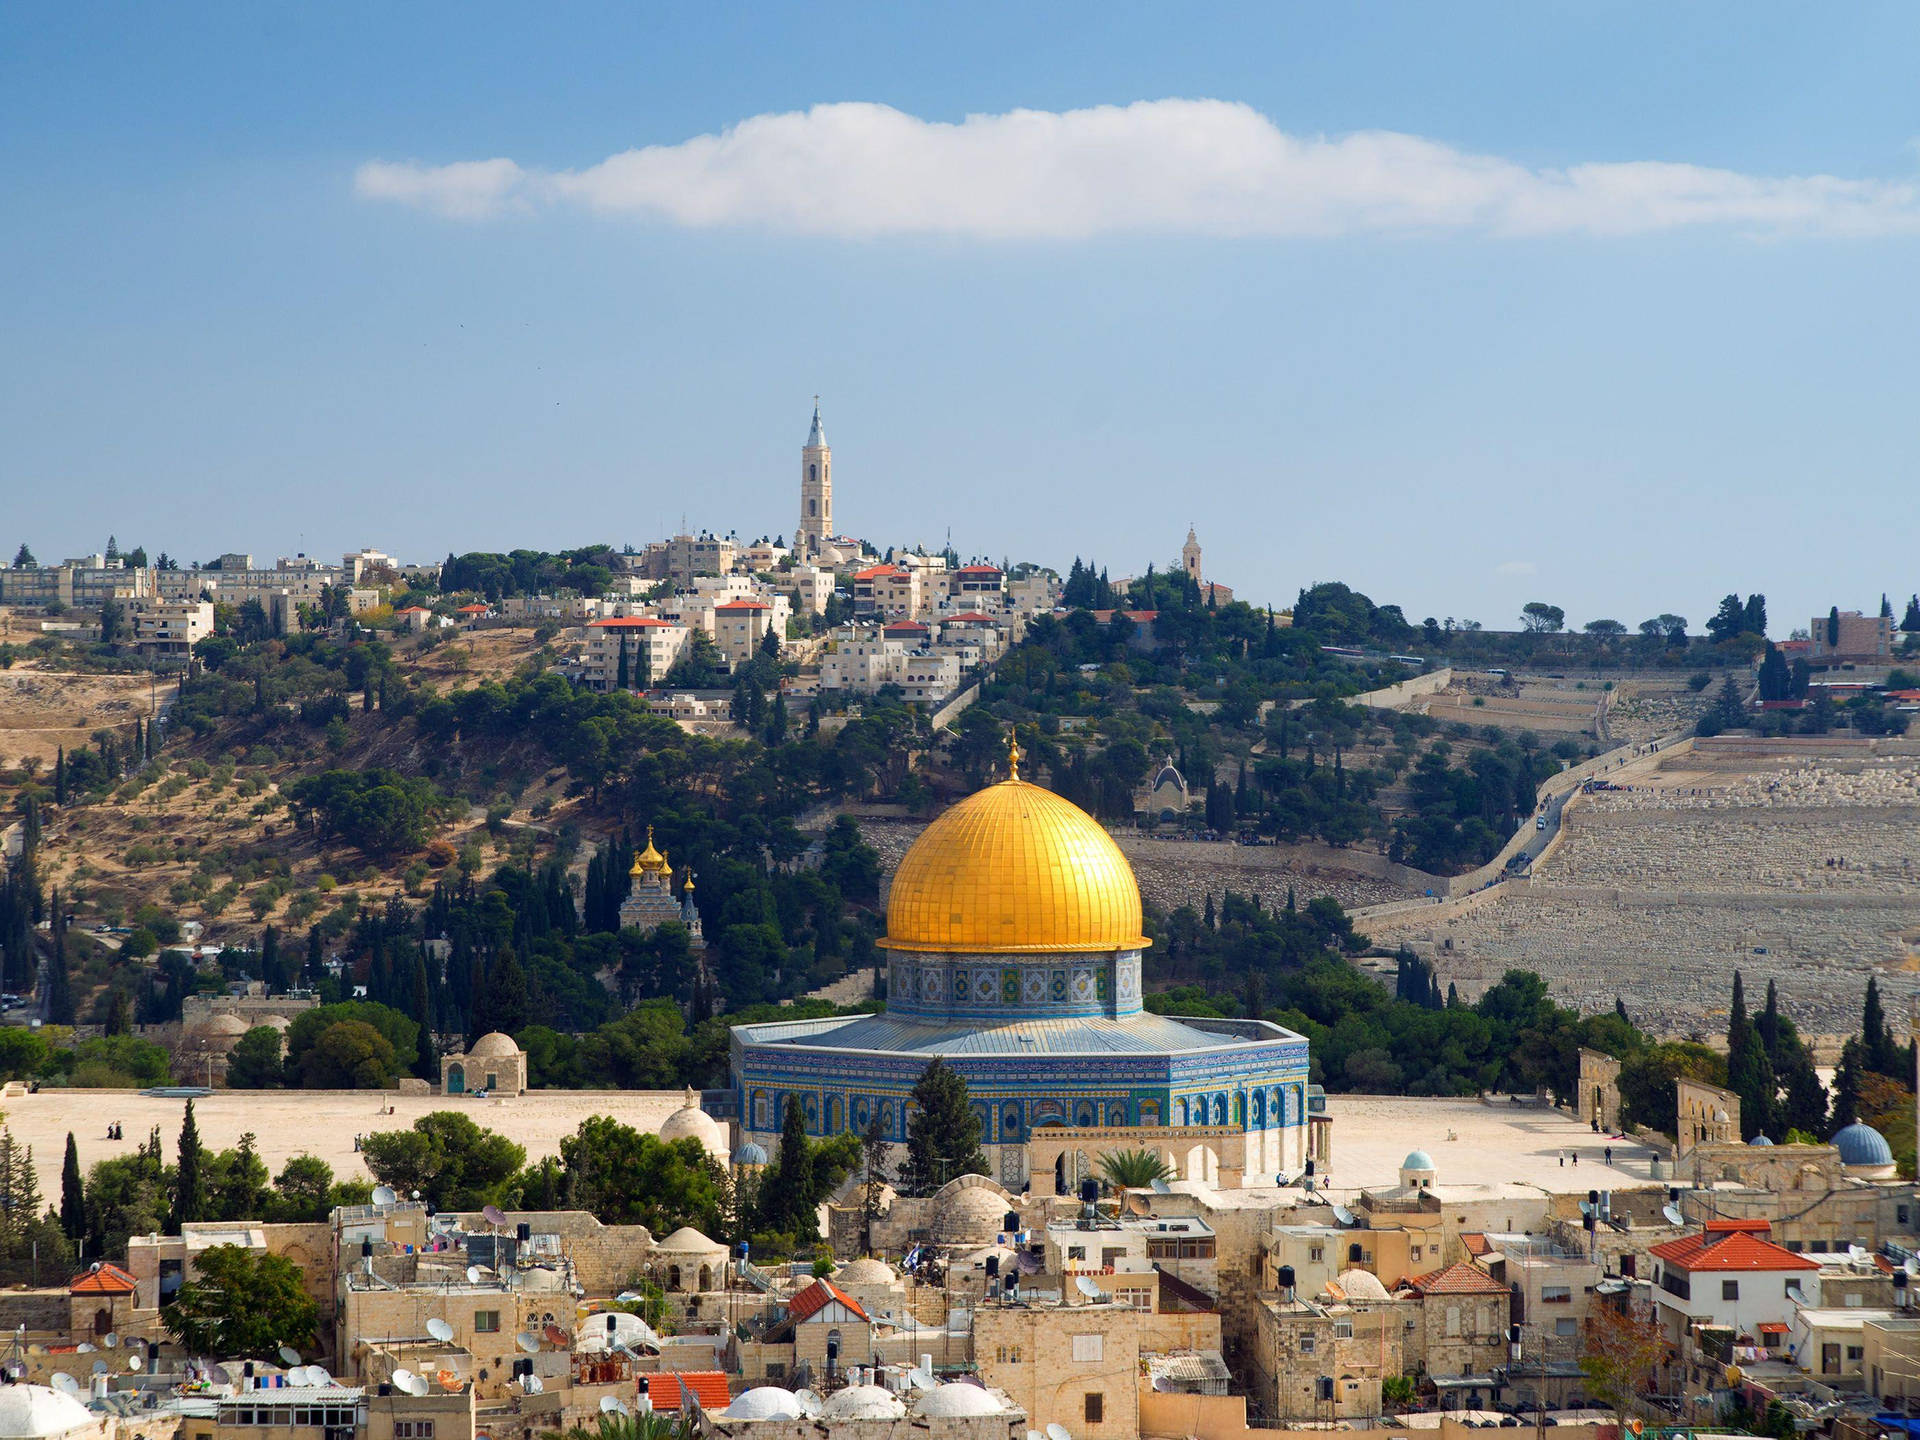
pixel 744 605
pixel 473 609
pixel 1738 1250
pixel 1772 1327
pixel 972 617
pixel 978 570
pixel 1139 617
pixel 1475 1244
pixel 709 1387
pixel 878 572
pixel 817 1296
pixel 1738 1226
pixel 906 625
pixel 1457 1280
pixel 627 622
pixel 104 1279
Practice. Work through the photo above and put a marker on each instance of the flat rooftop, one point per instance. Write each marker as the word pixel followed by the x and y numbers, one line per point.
pixel 323 1123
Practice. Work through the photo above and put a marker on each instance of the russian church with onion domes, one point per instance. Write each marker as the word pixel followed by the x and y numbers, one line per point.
pixel 1014 948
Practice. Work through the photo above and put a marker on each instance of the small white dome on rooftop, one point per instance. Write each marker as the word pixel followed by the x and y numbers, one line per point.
pixel 863 1402
pixel 36 1412
pixel 958 1398
pixel 763 1402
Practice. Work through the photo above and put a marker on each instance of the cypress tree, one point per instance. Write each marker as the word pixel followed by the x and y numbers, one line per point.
pixel 60 777
pixel 943 1138
pixel 620 679
pixel 777 719
pixel 73 1193
pixel 189 1186
pixel 427 1061
pixel 1749 1071
pixel 796 1166
pixel 59 979
pixel 270 959
pixel 316 965
pixel 1881 1055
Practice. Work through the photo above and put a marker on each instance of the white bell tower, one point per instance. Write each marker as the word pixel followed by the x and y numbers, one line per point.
pixel 816 489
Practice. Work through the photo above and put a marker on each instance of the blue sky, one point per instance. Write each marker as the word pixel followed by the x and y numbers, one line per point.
pixel 1609 306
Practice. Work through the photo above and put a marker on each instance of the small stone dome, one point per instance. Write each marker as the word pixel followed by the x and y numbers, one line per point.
pixel 222 1024
pixel 862 1402
pixel 1418 1160
pixel 688 1240
pixel 1759 1141
pixel 865 1271
pixel 763 1402
pixel 971 1215
pixel 957 1398
pixel 751 1153
pixel 36 1412
pixel 1862 1146
pixel 277 1022
pixel 690 1122
pixel 494 1044
pixel 1361 1285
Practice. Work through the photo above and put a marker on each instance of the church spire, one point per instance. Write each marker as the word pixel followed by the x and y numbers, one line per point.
pixel 816 436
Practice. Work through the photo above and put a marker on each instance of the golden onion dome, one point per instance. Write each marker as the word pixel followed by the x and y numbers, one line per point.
pixel 649 861
pixel 1014 868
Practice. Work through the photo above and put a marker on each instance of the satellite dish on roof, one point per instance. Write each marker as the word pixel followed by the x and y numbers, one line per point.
pixel 85 1347
pixel 219 1375
pixel 133 1363
pixel 531 1384
pixel 613 1405
pixel 384 1195
pixel 409 1383
pixel 111 1340
pixel 65 1383
pixel 1160 1186
pixel 1087 1288
pixel 439 1329
pixel 317 1375
pixel 557 1336
pixel 494 1214
pixel 528 1342
pixel 297 1376
pixel 289 1356
pixel 1673 1215
pixel 1057 1431
pixel 99 1367
pixel 1343 1215
pixel 474 1274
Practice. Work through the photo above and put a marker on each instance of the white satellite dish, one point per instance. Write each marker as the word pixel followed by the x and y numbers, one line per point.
pixel 403 1379
pixel 1033 1435
pixel 531 1384
pixel 528 1342
pixel 1343 1215
pixel 440 1329
pixel 289 1356
pixel 474 1274
pixel 65 1383
pixel 1087 1288
pixel 1673 1215
pixel 317 1375
pixel 133 1362
pixel 1160 1186
pixel 297 1377
pixel 385 1195
pixel 111 1340
pixel 1058 1432
pixel 85 1347
pixel 809 1402
pixel 1585 1208
pixel 613 1405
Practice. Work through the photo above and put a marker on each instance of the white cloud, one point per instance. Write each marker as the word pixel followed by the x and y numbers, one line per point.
pixel 1197 167
pixel 1515 567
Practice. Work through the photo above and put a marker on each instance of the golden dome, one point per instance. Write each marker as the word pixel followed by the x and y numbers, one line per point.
pixel 1014 868
pixel 649 861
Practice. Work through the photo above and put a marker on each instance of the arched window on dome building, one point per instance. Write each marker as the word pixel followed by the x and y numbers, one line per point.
pixel 1240 1109
pixel 1010 1121
pixel 1180 1111
pixel 762 1111
pixel 1259 1109
pixel 1117 1112
pixel 1083 1114
pixel 1220 1109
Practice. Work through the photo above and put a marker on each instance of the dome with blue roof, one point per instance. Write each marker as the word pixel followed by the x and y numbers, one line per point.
pixel 1418 1160
pixel 751 1153
pixel 1862 1147
pixel 1760 1140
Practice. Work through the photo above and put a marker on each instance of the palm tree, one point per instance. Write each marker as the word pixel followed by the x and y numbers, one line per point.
pixel 1134 1169
pixel 652 1425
